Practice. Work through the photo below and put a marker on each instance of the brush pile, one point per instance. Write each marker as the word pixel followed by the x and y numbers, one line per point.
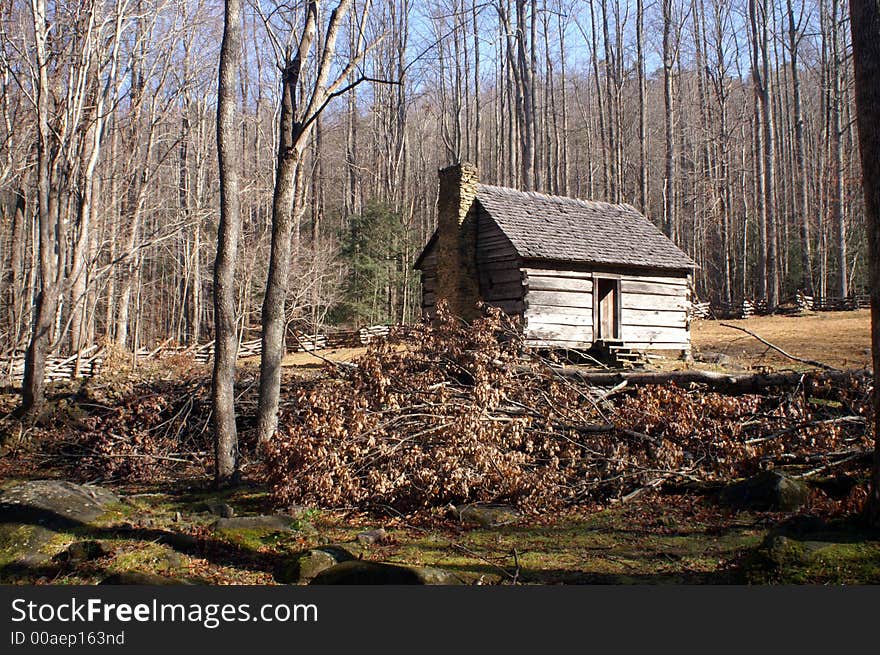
pixel 458 413
pixel 452 413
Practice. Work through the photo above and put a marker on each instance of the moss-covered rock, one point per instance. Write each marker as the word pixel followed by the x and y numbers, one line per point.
pixel 23 545
pixel 769 490
pixel 257 532
pixel 306 565
pixel 83 551
pixel 268 523
pixel 33 513
pixel 829 557
pixel 55 503
pixel 362 572
pixel 141 578
pixel 488 516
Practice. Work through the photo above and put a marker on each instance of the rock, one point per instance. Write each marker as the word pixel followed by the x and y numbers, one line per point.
pixel 362 572
pixel 217 509
pixel 780 551
pixel 170 559
pixel 31 512
pixel 430 575
pixel 304 566
pixel 835 554
pixel 488 516
pixel 261 524
pixel 21 545
pixel 83 551
pixel 769 490
pixel 140 578
pixel 179 541
pixel 371 537
pixel 54 503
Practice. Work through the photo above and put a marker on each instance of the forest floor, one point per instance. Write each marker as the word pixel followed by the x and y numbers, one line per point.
pixel 659 538
pixel 169 526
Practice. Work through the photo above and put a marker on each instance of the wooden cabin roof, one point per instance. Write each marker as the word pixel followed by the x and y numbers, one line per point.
pixel 565 229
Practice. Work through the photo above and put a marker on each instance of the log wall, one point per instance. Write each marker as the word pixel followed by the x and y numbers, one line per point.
pixel 654 311
pixel 498 268
pixel 429 282
pixel 559 308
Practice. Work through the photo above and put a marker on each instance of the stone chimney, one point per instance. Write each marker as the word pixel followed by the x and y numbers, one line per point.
pixel 457 279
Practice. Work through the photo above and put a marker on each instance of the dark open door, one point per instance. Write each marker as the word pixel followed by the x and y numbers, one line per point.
pixel 606 322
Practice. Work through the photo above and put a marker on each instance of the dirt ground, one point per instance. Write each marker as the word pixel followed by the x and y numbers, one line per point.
pixel 312 359
pixel 840 339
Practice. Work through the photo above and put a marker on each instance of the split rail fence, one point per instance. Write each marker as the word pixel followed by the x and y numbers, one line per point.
pixel 88 361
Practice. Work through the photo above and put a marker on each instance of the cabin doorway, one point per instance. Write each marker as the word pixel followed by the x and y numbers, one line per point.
pixel 607 309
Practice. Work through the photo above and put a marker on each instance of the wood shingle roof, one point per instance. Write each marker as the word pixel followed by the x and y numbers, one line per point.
pixel 568 229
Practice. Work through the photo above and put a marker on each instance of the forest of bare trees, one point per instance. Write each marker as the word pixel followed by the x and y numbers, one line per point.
pixel 730 123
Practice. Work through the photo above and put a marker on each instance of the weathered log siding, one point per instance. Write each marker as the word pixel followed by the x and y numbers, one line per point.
pixel 559 308
pixel 498 268
pixel 429 282
pixel 654 311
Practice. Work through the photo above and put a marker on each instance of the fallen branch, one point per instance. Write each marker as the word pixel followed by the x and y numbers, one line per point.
pixel 807 424
pixel 825 467
pixel 808 362
pixel 730 383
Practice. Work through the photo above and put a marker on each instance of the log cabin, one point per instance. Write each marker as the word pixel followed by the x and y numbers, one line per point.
pixel 580 274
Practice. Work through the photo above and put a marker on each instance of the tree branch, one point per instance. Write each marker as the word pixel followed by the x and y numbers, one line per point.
pixel 809 362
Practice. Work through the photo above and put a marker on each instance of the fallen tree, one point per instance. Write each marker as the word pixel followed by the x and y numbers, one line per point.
pixel 729 383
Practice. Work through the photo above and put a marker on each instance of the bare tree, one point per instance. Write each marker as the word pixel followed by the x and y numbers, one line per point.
pixel 225 334
pixel 836 133
pixel 643 126
pixel 300 108
pixel 50 222
pixel 669 56
pixel 795 36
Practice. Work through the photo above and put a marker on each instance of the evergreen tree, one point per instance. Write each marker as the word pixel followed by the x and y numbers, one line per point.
pixel 374 248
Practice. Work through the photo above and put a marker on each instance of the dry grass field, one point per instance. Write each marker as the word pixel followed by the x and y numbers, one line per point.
pixel 311 359
pixel 840 339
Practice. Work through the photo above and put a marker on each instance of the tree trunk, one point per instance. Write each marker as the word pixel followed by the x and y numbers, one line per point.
pixel 273 316
pixel 13 281
pixel 865 22
pixel 802 193
pixel 226 341
pixel 669 122
pixel 33 385
pixel 478 147
pixel 837 208
pixel 643 125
